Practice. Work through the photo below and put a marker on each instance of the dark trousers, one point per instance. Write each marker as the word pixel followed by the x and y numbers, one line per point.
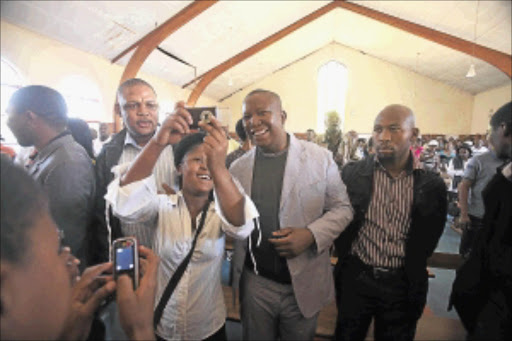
pixel 219 335
pixel 363 293
pixel 469 235
pixel 494 321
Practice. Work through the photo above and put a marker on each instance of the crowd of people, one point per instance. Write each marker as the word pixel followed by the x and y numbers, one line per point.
pixel 465 164
pixel 284 201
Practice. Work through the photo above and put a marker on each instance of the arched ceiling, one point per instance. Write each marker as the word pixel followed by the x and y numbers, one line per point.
pixel 107 28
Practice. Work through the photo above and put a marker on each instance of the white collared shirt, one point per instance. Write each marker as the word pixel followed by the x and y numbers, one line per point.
pixel 164 173
pixel 196 309
pixel 97 144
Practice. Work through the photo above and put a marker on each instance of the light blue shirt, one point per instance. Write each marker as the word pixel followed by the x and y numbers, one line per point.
pixel 479 171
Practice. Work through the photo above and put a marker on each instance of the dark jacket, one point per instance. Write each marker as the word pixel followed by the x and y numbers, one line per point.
pixel 98 240
pixel 487 273
pixel 66 174
pixel 428 217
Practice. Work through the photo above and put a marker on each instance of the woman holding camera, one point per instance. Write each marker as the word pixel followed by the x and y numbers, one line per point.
pixel 195 309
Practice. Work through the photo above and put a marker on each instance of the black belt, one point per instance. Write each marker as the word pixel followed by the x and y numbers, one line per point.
pixel 377 272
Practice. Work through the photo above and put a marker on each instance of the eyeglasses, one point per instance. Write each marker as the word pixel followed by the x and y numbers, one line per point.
pixel 136 106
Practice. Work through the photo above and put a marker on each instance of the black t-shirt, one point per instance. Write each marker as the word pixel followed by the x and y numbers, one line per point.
pixel 267 183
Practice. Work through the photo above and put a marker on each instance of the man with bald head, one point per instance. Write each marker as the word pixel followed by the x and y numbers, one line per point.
pixel 399 217
pixel 285 269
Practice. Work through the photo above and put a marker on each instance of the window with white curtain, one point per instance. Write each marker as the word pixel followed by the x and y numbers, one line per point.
pixel 332 91
pixel 11 81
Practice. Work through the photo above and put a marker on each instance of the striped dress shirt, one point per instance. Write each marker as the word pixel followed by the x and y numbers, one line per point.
pixel 381 239
pixel 164 172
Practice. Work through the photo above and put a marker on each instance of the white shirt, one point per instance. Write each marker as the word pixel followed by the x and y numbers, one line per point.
pixel 478 150
pixel 97 144
pixel 164 173
pixel 196 309
pixel 452 172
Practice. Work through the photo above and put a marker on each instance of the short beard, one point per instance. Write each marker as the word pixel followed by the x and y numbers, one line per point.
pixel 386 158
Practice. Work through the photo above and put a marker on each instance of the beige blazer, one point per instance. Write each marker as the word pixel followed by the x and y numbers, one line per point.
pixel 313 196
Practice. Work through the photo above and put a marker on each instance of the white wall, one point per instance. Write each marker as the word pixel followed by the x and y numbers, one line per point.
pixel 486 103
pixel 47 62
pixel 373 84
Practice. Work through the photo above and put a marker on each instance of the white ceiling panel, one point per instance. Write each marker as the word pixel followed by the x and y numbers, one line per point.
pixel 455 17
pixel 287 50
pixel 401 48
pixel 162 66
pixel 229 27
pixel 106 28
pixel 126 58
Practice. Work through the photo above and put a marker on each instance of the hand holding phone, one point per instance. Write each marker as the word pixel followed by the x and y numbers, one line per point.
pixel 175 125
pixel 136 306
pixel 126 259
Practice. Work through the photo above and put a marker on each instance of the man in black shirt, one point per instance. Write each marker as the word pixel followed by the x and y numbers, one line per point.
pixel 482 290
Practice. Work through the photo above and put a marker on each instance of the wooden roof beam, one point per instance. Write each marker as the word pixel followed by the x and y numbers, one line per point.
pixel 160 28
pixel 209 76
pixel 154 38
pixel 147 46
pixel 132 46
pixel 499 59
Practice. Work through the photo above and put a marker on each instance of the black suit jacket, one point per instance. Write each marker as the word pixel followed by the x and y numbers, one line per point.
pixel 98 240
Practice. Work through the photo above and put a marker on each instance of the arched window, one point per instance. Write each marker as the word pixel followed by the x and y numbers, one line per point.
pixel 332 91
pixel 11 81
pixel 83 98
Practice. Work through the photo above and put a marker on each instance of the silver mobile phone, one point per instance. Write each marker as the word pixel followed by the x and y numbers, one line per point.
pixel 126 259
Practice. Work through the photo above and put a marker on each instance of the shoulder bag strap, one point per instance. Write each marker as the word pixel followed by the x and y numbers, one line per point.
pixel 173 282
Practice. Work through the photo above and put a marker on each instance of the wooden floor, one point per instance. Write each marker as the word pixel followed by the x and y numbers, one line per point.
pixel 430 326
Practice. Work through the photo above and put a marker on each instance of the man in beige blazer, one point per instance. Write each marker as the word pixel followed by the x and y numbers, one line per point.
pixel 284 267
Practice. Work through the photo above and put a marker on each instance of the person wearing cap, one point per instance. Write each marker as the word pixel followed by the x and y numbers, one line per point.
pixel 196 309
pixel 37 116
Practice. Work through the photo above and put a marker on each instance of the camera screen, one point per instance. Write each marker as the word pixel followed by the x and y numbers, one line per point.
pixel 124 258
